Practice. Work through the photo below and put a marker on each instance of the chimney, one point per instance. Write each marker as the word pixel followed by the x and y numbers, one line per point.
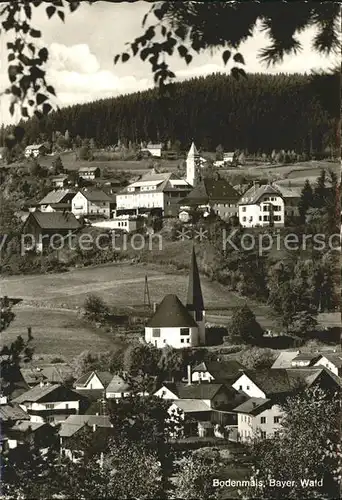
pixel 189 374
pixel 154 306
pixel 254 404
pixel 94 427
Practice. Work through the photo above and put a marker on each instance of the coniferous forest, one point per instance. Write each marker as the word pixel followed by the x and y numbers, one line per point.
pixel 260 113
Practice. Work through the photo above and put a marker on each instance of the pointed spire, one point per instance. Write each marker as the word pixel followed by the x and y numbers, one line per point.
pixel 193 150
pixel 195 297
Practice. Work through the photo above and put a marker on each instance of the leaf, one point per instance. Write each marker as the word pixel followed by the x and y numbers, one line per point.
pixel 43 54
pixel 144 53
pixel 144 19
pixel 11 57
pixel 15 91
pixel 238 72
pixel 40 98
pixel 226 56
pixel 180 32
pixel 116 58
pixel 163 30
pixel 182 50
pixel 12 72
pixel 239 58
pixel 35 33
pixel 11 109
pixel 61 15
pixel 158 13
pixel 125 57
pixel 188 58
pixel 51 90
pixel 46 108
pixel 73 6
pixel 28 11
pixel 50 11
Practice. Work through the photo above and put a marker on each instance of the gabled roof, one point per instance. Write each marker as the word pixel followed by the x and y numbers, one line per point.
pixel 165 181
pixel 221 370
pixel 12 412
pixel 192 405
pixel 310 375
pixel 45 393
pixel 54 374
pixel 57 196
pixel 195 298
pixel 34 146
pixel 27 425
pixel 284 359
pixel 306 356
pixel 118 384
pixel 253 406
pixel 254 193
pixel 88 169
pixel 171 314
pixel 210 190
pixel 95 195
pixel 54 220
pixel 270 381
pixel 334 357
pixel 287 192
pixel 154 146
pixel 195 391
pixel 104 377
pixel 76 422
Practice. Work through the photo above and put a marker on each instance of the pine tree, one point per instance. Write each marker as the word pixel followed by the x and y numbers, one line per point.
pixel 306 200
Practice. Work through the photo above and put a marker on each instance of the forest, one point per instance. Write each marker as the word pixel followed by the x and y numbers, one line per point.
pixel 259 113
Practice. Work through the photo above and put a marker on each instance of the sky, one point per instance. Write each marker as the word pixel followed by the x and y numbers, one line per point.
pixel 81 68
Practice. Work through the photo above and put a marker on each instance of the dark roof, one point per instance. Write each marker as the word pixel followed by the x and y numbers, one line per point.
pixel 51 373
pixel 58 196
pixel 211 190
pixel 253 195
pixel 171 313
pixel 271 381
pixel 333 357
pixel 221 370
pixel 195 298
pixel 92 395
pixel 253 406
pixel 12 412
pixel 44 393
pixel 118 384
pixel 95 195
pixel 306 356
pixel 54 220
pixel 194 391
pixel 105 378
pixel 76 422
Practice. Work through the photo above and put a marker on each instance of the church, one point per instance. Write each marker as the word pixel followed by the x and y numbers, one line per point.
pixel 178 325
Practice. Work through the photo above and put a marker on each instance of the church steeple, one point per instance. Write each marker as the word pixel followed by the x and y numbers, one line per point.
pixel 193 161
pixel 195 297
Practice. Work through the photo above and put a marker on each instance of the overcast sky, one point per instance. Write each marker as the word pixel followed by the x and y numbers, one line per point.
pixel 82 49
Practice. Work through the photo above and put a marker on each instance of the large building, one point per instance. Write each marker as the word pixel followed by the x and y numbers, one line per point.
pixel 177 325
pixel 92 202
pixel 193 166
pixel 262 206
pixel 210 194
pixel 159 192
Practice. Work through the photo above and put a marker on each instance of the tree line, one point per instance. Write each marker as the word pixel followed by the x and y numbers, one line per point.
pixel 260 113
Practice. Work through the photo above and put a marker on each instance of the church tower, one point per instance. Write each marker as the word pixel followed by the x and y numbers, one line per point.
pixel 193 163
pixel 194 303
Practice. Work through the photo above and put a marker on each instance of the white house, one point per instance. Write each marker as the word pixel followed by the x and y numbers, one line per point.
pixel 93 202
pixel 153 192
pixel 89 173
pixel 176 325
pixel 117 388
pixel 212 395
pixel 125 223
pixel 49 403
pixel 261 206
pixel 93 380
pixel 219 371
pixel 154 150
pixel 258 418
pixel 34 150
pixel 57 200
pixel 332 361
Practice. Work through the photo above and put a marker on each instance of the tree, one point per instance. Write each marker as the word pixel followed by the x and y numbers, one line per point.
pixel 306 200
pixel 188 28
pixel 57 165
pixel 320 191
pixel 301 324
pixel 307 448
pixel 219 152
pixel 256 358
pixel 141 358
pixel 95 309
pixel 243 324
pixel 195 479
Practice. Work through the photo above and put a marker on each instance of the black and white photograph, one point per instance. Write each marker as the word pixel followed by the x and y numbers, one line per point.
pixel 170 250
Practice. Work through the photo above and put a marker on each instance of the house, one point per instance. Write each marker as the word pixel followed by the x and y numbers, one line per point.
pixel 218 371
pixel 264 383
pixel 261 206
pixel 175 324
pixel 57 200
pixel 52 374
pixel 215 195
pixel 213 395
pixel 154 192
pixel 50 403
pixel 93 380
pixel 304 359
pixel 332 361
pixel 60 181
pixel 39 434
pixel 91 202
pixel 186 411
pixel 229 157
pixel 76 425
pixel 284 360
pixel 89 173
pixel 258 417
pixel 44 229
pixel 291 197
pixel 117 388
pixel 10 415
pixel 125 223
pixel 154 150
pixel 35 150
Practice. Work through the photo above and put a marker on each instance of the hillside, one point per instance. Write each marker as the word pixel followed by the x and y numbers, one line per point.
pixel 260 113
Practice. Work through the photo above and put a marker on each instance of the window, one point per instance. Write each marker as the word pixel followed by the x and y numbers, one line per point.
pixel 199 315
pixel 156 332
pixel 49 406
pixel 263 420
pixel 276 420
pixel 244 219
pixel 266 199
pixel 265 208
pixel 182 341
pixel 188 341
pixel 66 406
pixel 263 435
pixel 184 331
pixel 277 217
pixel 240 387
pixel 276 208
pixel 244 209
pixel 260 217
pixel 49 419
pixel 247 387
pixel 266 217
